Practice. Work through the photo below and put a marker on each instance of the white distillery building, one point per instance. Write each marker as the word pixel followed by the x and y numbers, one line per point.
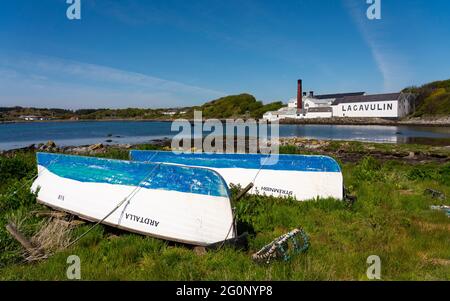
pixel 355 104
pixel 392 105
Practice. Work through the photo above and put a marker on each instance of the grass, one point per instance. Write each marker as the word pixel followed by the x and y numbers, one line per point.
pixel 391 219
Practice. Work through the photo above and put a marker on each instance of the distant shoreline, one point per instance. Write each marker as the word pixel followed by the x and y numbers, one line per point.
pixel 87 120
pixel 426 122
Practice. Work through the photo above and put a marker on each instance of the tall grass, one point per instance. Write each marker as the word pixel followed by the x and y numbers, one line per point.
pixel 391 219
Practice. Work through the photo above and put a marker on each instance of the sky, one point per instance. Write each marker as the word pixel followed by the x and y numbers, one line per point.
pixel 174 53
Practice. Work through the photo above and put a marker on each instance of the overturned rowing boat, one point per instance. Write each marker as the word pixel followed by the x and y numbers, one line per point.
pixel 178 203
pixel 298 176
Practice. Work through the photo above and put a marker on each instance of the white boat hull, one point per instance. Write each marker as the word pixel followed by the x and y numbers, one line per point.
pixel 300 185
pixel 178 216
pixel 310 177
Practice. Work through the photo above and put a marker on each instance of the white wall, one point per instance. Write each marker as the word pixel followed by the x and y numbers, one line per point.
pixel 269 116
pixel 272 116
pixel 382 109
pixel 367 109
pixel 319 115
pixel 336 111
pixel 307 103
pixel 292 103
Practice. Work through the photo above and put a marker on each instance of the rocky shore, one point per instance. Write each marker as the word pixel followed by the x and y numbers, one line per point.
pixel 51 146
pixel 430 121
pixel 345 151
pixel 353 151
pixel 419 121
pixel 91 149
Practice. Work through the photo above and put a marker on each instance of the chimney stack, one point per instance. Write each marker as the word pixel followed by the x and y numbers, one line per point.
pixel 311 93
pixel 299 96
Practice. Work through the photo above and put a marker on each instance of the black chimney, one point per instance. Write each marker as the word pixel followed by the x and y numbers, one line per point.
pixel 299 96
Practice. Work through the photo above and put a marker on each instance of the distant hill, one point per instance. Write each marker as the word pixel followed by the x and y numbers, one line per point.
pixel 433 99
pixel 233 106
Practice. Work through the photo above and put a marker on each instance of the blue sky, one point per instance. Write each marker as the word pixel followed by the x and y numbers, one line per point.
pixel 165 53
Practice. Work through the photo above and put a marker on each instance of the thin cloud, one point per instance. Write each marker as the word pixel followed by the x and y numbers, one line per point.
pixel 95 85
pixel 390 63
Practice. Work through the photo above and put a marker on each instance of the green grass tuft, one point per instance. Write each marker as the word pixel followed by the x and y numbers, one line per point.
pixel 391 219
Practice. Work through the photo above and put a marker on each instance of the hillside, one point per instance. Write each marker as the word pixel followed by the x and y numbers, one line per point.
pixel 236 106
pixel 242 105
pixel 13 113
pixel 18 113
pixel 433 99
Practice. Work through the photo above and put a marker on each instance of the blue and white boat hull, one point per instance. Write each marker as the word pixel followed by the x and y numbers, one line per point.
pixel 176 203
pixel 299 176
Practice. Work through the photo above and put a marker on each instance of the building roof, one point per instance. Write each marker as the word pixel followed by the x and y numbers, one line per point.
pixel 320 110
pixel 367 98
pixel 318 101
pixel 338 95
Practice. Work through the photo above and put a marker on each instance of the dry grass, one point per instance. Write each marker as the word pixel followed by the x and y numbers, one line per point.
pixel 434 261
pixel 52 236
pixel 424 226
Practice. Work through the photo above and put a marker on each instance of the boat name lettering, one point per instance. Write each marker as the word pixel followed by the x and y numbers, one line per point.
pixel 142 220
pixel 277 190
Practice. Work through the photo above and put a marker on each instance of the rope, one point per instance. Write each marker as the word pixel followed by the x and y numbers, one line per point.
pixel 128 198
pixel 241 195
pixel 261 167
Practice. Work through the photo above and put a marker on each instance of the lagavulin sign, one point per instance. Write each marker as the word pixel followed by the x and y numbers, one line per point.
pixel 368 109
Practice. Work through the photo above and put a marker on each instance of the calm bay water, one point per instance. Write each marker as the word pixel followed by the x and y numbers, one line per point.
pixel 16 135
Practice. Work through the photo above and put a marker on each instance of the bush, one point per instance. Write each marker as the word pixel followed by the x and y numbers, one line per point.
pixel 18 195
pixel 423 173
pixel 369 169
pixel 17 167
pixel 444 174
pixel 288 149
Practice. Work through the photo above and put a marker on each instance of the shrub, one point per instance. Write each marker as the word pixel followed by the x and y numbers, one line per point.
pixel 17 167
pixel 444 174
pixel 423 173
pixel 369 169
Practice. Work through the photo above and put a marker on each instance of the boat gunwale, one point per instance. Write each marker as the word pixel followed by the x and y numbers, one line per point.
pixel 339 170
pixel 224 183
